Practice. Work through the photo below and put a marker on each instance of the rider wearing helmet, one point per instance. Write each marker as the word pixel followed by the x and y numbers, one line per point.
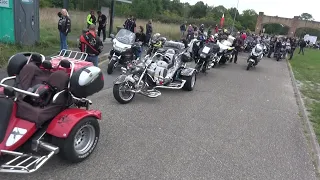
pixel 258 49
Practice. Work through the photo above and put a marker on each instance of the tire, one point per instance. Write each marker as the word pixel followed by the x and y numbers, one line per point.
pixel 111 67
pixel 189 85
pixel 67 149
pixel 117 96
pixel 249 66
pixel 197 68
pixel 214 64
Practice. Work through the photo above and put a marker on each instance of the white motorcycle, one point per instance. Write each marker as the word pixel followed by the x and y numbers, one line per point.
pixel 255 56
pixel 124 50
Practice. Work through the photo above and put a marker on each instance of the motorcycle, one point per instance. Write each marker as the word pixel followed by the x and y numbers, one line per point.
pixel 166 71
pixel 124 51
pixel 225 53
pixel 255 56
pixel 155 44
pixel 281 53
pixel 48 118
pixel 207 60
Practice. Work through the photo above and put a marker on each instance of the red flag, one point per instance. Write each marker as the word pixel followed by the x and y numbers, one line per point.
pixel 222 21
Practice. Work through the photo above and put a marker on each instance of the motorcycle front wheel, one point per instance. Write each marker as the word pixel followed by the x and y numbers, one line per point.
pixel 249 65
pixel 121 93
pixel 111 67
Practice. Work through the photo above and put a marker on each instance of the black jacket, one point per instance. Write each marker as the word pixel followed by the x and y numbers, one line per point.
pixel 91 44
pixel 102 20
pixel 64 25
pixel 140 37
pixel 149 28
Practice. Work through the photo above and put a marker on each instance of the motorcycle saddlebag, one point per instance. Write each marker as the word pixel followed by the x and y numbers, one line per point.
pixel 86 81
pixel 16 63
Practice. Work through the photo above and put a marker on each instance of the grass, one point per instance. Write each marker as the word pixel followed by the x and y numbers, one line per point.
pixel 307 71
pixel 49 37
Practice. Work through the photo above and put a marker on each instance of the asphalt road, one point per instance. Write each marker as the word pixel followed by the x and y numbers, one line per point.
pixel 236 124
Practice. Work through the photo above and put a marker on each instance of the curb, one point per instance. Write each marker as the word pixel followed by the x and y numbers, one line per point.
pixel 302 109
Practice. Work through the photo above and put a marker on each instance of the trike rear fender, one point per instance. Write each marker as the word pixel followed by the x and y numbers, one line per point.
pixel 187 72
pixel 64 122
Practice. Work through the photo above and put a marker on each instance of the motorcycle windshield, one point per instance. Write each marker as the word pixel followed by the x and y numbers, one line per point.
pixel 126 37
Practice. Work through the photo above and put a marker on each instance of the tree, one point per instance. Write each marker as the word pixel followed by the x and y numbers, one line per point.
pixel 234 12
pixel 199 10
pixel 248 19
pixel 306 16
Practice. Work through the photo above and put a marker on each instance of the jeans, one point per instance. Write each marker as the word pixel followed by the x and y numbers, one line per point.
pixel 139 52
pixel 93 59
pixel 63 41
pixel 103 29
pixel 301 50
pixel 291 53
pixel 182 33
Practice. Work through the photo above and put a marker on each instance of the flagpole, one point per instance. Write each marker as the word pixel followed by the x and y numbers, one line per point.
pixel 234 18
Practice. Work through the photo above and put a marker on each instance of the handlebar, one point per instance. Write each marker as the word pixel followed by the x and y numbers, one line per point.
pixel 20 90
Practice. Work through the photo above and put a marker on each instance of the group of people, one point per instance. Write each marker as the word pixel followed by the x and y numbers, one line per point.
pixel 141 36
pixel 102 22
pixel 192 31
pixel 89 41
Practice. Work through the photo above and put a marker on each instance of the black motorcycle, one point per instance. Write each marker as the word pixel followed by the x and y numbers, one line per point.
pixel 206 55
pixel 280 52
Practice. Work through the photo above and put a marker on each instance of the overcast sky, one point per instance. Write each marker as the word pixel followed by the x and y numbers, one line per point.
pixel 281 8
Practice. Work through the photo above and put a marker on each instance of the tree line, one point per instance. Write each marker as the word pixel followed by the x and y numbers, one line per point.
pixel 174 11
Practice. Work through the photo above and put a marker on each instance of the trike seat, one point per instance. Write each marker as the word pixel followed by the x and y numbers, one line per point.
pixel 26 110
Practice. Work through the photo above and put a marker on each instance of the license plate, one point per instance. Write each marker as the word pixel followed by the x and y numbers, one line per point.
pixel 206 50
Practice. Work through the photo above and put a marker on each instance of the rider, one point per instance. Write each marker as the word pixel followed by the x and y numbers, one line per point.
pixel 91 44
pixel 293 47
pixel 140 37
pixel 278 45
pixel 237 44
pixel 272 46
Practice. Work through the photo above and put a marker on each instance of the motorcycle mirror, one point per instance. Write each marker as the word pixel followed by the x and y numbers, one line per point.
pixel 112 36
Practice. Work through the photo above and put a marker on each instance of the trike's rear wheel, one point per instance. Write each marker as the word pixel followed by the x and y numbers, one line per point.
pixel 81 141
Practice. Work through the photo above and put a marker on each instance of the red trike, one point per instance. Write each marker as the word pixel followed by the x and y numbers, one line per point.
pixel 46 110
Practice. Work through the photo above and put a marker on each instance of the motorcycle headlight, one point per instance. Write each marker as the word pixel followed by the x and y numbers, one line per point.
pixel 203 55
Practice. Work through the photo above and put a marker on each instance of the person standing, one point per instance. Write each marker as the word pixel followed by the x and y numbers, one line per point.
pixel 302 45
pixel 133 25
pixel 149 31
pixel 183 29
pixel 64 26
pixel 237 43
pixel 128 23
pixel 91 44
pixel 293 44
pixel 102 19
pixel 216 29
pixel 91 19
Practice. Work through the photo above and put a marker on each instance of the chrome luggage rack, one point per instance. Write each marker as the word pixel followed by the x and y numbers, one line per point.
pixel 73 55
pixel 27 163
